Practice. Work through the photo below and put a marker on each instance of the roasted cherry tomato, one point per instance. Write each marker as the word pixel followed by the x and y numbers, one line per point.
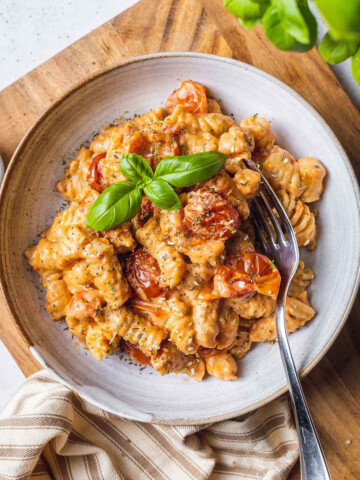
pixel 135 353
pixel 191 95
pixel 210 215
pixel 260 269
pixel 94 176
pixel 251 272
pixel 143 274
pixel 230 283
pixel 146 211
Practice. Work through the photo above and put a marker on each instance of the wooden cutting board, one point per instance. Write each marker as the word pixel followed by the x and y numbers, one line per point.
pixel 333 388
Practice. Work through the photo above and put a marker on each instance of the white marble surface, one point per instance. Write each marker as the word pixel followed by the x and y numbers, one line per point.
pixel 31 31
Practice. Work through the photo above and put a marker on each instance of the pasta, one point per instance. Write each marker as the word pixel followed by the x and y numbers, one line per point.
pixel 283 172
pixel 221 366
pixel 302 219
pixel 184 290
pixel 312 175
pixel 297 314
pixel 171 263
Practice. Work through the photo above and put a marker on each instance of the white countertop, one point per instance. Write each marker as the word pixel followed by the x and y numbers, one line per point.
pixel 33 31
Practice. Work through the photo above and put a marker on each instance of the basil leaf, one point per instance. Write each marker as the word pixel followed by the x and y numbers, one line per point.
pixel 294 22
pixel 135 167
pixel 187 170
pixel 164 196
pixel 276 31
pixel 355 66
pixel 336 51
pixel 249 23
pixel 311 23
pixel 342 17
pixel 247 10
pixel 116 205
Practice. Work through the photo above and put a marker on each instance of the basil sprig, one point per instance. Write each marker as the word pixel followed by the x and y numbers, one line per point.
pixel 290 25
pixel 122 201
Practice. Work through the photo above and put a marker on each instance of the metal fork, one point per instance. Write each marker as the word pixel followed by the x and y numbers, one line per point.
pixel 279 243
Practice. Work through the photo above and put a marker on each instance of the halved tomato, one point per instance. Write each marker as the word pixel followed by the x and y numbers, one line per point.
pixel 210 215
pixel 251 272
pixel 94 176
pixel 143 274
pixel 191 95
pixel 135 353
pixel 146 211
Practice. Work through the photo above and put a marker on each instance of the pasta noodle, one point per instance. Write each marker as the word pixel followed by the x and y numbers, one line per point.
pixel 297 314
pixel 221 366
pixel 283 172
pixel 302 219
pixel 171 263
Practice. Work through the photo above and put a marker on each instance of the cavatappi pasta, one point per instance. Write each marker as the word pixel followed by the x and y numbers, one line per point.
pixel 184 291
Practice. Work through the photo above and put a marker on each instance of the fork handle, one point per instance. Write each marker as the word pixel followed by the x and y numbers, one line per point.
pixel 312 460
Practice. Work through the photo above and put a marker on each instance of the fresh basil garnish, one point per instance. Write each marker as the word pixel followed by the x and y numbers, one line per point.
pixel 116 205
pixel 164 196
pixel 247 10
pixel 294 21
pixel 336 51
pixel 355 66
pixel 122 201
pixel 188 170
pixel 135 167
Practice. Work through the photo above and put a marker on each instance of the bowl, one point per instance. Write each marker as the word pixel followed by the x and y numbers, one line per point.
pixel 29 202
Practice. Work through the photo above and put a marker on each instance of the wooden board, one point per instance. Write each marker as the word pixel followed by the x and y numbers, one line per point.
pixel 333 388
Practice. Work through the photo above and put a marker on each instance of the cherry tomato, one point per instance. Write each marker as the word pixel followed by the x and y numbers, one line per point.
pixel 143 274
pixel 135 353
pixel 261 269
pixel 146 211
pixel 251 272
pixel 230 283
pixel 191 95
pixel 94 176
pixel 210 215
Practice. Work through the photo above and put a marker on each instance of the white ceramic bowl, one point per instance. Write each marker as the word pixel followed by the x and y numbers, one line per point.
pixel 2 170
pixel 137 86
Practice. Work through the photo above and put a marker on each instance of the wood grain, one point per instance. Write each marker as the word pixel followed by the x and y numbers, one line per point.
pixel 333 388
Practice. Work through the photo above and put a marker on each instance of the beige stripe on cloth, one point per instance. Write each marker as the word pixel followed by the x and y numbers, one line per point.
pixel 48 432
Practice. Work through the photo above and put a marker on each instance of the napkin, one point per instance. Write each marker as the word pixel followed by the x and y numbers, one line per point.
pixel 48 432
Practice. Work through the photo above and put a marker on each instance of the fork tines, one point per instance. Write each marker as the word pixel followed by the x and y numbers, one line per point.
pixel 269 217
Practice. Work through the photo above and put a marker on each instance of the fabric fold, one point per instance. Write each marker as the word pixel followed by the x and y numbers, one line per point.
pixel 48 432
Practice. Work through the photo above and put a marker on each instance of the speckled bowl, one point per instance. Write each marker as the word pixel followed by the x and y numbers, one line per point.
pixel 29 202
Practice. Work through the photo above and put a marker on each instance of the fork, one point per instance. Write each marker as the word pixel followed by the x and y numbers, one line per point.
pixel 279 242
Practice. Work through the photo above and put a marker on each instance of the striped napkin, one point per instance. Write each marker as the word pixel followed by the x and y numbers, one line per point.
pixel 48 432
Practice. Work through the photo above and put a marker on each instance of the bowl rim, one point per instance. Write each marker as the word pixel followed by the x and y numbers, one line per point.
pixel 103 72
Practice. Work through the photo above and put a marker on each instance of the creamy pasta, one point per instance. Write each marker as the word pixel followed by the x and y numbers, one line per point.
pixel 184 290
